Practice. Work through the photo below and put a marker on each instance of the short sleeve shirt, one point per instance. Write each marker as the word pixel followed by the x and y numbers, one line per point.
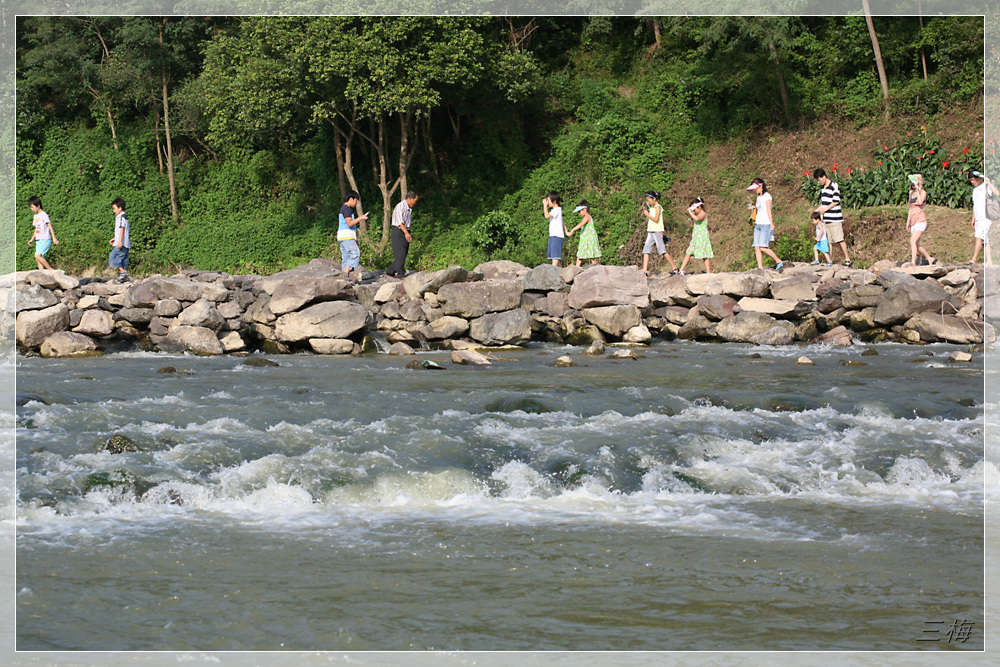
pixel 402 215
pixel 41 222
pixel 762 216
pixel 344 231
pixel 556 222
pixel 979 201
pixel 831 195
pixel 121 222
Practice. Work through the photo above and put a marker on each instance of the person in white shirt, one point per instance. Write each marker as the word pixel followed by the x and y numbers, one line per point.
pixel 981 188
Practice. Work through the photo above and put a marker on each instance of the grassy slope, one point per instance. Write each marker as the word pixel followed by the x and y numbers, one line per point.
pixel 781 157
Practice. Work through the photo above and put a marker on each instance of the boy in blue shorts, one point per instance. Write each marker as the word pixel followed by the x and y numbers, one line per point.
pixel 347 235
pixel 44 235
pixel 120 244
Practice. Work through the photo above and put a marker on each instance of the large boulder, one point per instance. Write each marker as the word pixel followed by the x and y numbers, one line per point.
pixel 934 328
pixel 747 325
pixel 906 298
pixel 670 291
pixel 176 288
pixel 140 295
pixel 697 327
pixel 94 322
pixel 609 286
pixel 862 296
pixel 197 340
pixel 956 277
pixel 555 304
pixel 796 288
pixel 443 328
pixel 706 283
pixel 435 281
pixel 613 320
pixel 34 326
pixel 470 300
pixel 774 336
pixel 332 345
pixel 68 344
pixel 501 269
pixel 545 278
pixel 293 294
pixel 750 284
pixel 510 327
pixel 134 315
pixel 328 319
pixel 52 279
pixel 773 307
pixel 259 311
pixel 717 306
pixel 317 268
pixel 201 313
pixel 33 297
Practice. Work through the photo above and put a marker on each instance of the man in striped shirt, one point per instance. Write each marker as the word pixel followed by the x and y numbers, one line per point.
pixel 402 218
pixel 829 208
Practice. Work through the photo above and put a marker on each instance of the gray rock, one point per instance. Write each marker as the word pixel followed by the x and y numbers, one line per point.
pixel 772 307
pixel 638 334
pixel 230 310
pixel 291 295
pixel 512 327
pixel 706 283
pixel 175 288
pixel 587 334
pixel 670 291
pixel 328 319
pixel 390 309
pixel 564 362
pixel 444 328
pixel 795 288
pixel 774 336
pixel 438 279
pixel 747 325
pixel 33 297
pixel 201 313
pixel 717 307
pixel 596 349
pixel 365 294
pixel 167 308
pixel 863 296
pixel 68 344
pixel 469 358
pixel 698 327
pixel 501 269
pixel 836 336
pixel 545 278
pixel 752 285
pixel 34 326
pixel 134 315
pixel 863 320
pixel 332 345
pixel 197 340
pixel 603 285
pixel 412 311
pixel 935 328
pixel 556 304
pixel 906 298
pixel 613 320
pixel 400 348
pixel 232 342
pixel 94 323
pixel 470 300
pixel 260 311
pixel 140 295
pixel 317 268
pixel 569 273
pixel 391 290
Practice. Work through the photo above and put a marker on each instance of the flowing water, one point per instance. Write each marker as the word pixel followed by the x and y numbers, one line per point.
pixel 695 499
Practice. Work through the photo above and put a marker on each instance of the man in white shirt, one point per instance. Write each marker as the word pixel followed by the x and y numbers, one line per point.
pixel 402 219
pixel 981 188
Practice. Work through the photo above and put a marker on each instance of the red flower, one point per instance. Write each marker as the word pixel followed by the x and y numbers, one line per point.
pixel 966 150
pixel 835 166
pixel 849 170
pixel 945 164
pixel 880 163
pixel 885 148
pixel 907 134
pixel 807 174
pixel 932 152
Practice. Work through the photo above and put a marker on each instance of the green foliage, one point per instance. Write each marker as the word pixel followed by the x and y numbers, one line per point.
pixel 493 233
pixel 885 183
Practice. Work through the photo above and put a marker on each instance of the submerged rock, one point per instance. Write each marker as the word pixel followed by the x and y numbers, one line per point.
pixel 517 404
pixel 259 362
pixel 564 362
pixel 119 444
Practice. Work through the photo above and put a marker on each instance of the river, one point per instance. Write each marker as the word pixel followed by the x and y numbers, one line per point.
pixel 697 499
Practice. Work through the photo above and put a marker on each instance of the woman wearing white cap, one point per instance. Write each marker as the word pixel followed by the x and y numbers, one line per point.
pixel 763 228
pixel 916 219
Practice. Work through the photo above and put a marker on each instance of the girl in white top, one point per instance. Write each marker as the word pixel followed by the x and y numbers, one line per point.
pixel 763 229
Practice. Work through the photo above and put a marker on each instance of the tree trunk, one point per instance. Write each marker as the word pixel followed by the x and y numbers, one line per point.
pixel 156 132
pixel 107 109
pixel 878 56
pixel 923 56
pixel 339 152
pixel 786 101
pixel 429 143
pixel 174 207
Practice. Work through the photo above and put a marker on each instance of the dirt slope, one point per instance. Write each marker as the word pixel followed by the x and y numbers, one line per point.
pixel 781 157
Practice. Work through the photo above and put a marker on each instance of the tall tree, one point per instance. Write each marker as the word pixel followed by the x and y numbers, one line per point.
pixel 878 57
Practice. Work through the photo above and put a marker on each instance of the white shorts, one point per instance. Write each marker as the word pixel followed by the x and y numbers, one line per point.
pixel 983 230
pixel 919 227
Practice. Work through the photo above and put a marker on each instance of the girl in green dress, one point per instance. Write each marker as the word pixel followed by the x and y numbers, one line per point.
pixel 701 246
pixel 590 247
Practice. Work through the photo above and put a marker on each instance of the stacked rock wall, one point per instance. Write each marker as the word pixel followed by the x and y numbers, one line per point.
pixel 314 308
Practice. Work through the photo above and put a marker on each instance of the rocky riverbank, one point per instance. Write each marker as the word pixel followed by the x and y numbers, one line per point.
pixel 314 308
